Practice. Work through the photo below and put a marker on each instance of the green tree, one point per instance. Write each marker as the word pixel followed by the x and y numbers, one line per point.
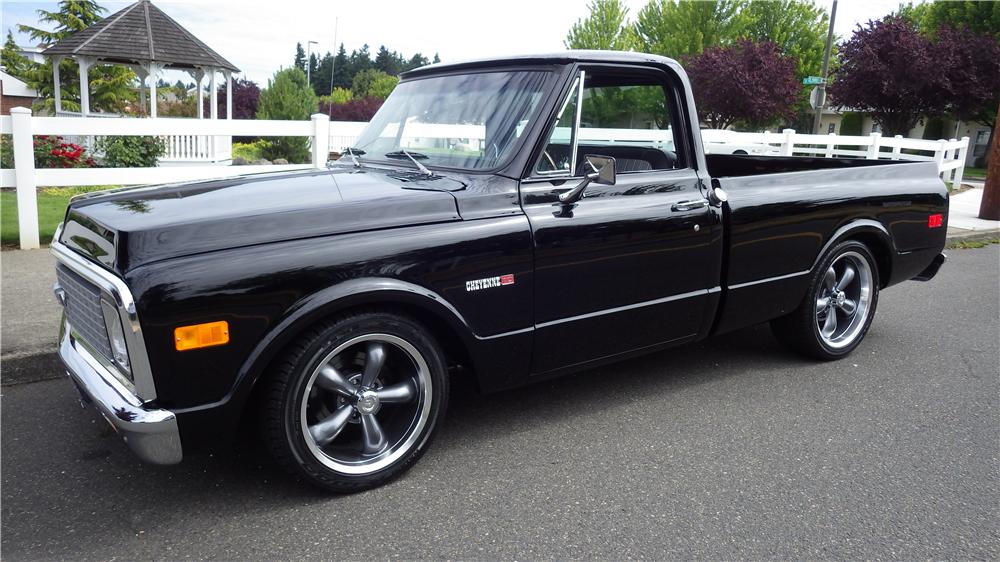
pixel 287 96
pixel 338 96
pixel 300 57
pixel 11 59
pixel 977 17
pixel 373 84
pixel 607 27
pixel 686 27
pixel 111 87
pixel 798 27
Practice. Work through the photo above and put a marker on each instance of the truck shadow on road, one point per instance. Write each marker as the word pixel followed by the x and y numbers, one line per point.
pixel 94 473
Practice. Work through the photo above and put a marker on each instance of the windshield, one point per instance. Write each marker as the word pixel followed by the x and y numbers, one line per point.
pixel 470 121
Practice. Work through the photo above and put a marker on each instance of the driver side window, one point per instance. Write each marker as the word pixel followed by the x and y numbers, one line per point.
pixel 626 116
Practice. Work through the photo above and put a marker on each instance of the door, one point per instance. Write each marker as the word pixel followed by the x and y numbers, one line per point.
pixel 633 265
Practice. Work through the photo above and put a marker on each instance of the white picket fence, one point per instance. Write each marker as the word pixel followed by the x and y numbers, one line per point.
pixel 25 177
pixel 326 136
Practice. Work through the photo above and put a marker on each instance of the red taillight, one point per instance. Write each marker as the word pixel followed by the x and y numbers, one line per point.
pixel 935 221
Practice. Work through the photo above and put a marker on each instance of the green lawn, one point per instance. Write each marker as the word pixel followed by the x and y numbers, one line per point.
pixel 971 172
pixel 51 210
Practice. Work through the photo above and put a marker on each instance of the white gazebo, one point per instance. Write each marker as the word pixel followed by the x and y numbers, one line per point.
pixel 144 38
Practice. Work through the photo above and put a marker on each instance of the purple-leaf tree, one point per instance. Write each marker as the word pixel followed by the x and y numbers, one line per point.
pixel 246 97
pixel 352 110
pixel 891 71
pixel 747 82
pixel 973 74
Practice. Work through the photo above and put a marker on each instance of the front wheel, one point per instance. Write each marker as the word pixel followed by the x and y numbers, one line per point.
pixel 839 306
pixel 355 402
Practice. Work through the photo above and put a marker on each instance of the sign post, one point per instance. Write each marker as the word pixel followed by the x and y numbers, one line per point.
pixel 821 84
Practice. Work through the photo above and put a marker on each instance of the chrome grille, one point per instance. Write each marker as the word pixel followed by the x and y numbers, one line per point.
pixel 83 310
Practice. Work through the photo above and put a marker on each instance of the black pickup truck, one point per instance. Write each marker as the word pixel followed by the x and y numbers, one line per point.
pixel 509 220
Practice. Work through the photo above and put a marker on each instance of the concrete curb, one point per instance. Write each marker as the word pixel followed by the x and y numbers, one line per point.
pixel 971 236
pixel 31 367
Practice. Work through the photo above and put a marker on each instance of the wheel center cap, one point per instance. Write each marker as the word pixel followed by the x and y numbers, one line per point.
pixel 368 402
pixel 841 297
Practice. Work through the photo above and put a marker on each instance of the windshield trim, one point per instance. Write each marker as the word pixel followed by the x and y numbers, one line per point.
pixel 551 72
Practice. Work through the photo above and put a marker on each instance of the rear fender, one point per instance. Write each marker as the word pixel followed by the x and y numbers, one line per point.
pixel 872 234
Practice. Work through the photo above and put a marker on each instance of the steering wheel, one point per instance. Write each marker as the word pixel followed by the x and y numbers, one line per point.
pixel 548 157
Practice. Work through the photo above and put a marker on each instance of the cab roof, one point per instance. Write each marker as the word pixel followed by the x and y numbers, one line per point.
pixel 563 57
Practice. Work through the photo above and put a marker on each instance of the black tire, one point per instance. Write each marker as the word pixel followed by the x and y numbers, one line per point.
pixel 801 330
pixel 299 389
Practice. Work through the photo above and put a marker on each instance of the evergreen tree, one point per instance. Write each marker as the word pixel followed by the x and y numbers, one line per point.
pixel 437 59
pixel 300 57
pixel 341 69
pixel 321 75
pixel 416 61
pixel 11 59
pixel 73 15
pixel 287 96
pixel 112 88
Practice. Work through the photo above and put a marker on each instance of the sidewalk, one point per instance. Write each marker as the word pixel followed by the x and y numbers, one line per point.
pixel 963 222
pixel 29 318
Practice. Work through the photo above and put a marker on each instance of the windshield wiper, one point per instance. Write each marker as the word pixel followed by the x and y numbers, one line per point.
pixel 413 158
pixel 352 152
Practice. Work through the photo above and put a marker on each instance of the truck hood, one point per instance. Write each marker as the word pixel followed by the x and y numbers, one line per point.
pixel 127 228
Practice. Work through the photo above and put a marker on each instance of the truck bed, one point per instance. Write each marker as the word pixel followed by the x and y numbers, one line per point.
pixel 782 212
pixel 731 165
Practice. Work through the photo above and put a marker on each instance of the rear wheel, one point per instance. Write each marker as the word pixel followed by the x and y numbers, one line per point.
pixel 839 307
pixel 356 401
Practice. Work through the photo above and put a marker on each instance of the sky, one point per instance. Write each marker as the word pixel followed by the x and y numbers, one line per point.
pixel 259 36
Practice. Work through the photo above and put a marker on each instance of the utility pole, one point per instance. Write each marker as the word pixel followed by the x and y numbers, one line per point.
pixel 826 67
pixel 309 65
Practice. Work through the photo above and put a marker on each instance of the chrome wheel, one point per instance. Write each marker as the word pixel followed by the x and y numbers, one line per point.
pixel 844 300
pixel 366 403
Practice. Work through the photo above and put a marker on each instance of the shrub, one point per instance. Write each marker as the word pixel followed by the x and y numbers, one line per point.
pixel 353 110
pixel 50 152
pixel 373 84
pixel 287 96
pixel 337 97
pixel 249 151
pixel 131 152
pixel 851 123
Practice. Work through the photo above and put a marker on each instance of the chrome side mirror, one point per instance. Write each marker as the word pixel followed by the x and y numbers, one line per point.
pixel 602 173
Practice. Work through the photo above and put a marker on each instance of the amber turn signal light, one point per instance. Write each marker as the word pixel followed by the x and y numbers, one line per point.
pixel 201 335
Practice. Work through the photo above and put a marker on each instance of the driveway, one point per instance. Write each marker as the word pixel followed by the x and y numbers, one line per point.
pixel 728 449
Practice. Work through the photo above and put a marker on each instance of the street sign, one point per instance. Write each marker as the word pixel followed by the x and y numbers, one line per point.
pixel 817 97
pixel 813 80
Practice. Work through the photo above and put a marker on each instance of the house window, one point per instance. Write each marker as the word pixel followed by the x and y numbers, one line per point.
pixel 875 128
pixel 831 128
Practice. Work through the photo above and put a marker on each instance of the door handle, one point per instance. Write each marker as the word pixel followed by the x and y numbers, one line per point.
pixel 689 205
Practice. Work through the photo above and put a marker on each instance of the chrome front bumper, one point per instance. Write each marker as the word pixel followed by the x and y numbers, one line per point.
pixel 152 434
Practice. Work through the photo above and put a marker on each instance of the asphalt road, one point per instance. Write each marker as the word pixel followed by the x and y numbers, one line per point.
pixel 724 450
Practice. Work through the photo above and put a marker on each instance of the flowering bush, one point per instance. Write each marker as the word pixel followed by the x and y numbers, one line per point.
pixel 54 152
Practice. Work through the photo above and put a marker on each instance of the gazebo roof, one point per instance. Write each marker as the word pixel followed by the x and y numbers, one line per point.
pixel 140 33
